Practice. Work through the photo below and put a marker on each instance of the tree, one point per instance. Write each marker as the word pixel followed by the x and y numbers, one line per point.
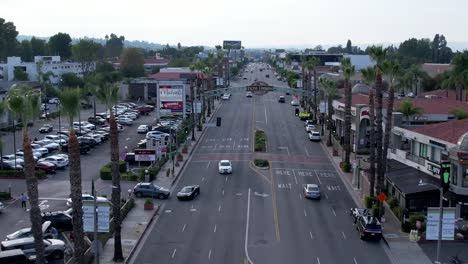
pixel 8 42
pixel 23 103
pixel 155 69
pixel 86 53
pixel 108 94
pixel 348 72
pixel 407 109
pixel 459 113
pixel 369 78
pixel 20 75
pixel 311 65
pixel 459 73
pixel 26 53
pixel 39 47
pixel 132 64
pixel 70 105
pixel 332 93
pixel 70 79
pixel 60 44
pixel 349 47
pixel 114 45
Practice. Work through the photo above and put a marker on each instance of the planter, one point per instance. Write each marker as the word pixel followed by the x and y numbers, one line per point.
pixel 180 158
pixel 335 153
pixel 185 150
pixel 148 206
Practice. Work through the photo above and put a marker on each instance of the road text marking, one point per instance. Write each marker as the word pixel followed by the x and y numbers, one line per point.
pixel 183 228
pixel 173 252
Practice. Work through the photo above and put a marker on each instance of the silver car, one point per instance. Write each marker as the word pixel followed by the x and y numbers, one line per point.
pixel 54 248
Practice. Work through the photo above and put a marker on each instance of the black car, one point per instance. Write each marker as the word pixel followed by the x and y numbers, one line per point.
pixel 84 148
pixel 281 99
pixel 88 141
pixel 188 192
pixel 369 227
pixel 59 220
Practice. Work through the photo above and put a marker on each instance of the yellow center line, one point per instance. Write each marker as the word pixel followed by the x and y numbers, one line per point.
pixel 273 199
pixel 253 125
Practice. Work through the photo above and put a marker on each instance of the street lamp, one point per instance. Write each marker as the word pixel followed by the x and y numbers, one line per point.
pixel 441 199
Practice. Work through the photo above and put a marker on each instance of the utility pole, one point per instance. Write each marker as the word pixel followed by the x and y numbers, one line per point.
pixel 193 110
pixel 95 210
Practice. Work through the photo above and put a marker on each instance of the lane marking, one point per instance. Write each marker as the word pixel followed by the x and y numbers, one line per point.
pixel 208 165
pixel 214 231
pixel 273 200
pixel 311 236
pixel 326 196
pixel 355 261
pixel 307 152
pixel 295 178
pixel 222 192
pixel 318 260
pixel 219 208
pixel 334 211
pixel 183 228
pixel 247 229
pixel 318 178
pixel 300 196
pixel 266 118
pixel 168 211
pixel 209 254
pixel 305 212
pixel 203 179
pixel 344 235
pixel 226 179
pixel 173 252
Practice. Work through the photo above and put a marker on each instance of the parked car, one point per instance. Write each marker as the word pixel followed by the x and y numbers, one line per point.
pixel 2 207
pixel 309 127
pixel 60 162
pixel 54 100
pixel 47 167
pixel 16 256
pixel 56 139
pixel 144 110
pixel 88 197
pixel 53 248
pixel 150 190
pixel 225 166
pixel 12 158
pixel 124 121
pixel 368 227
pixel 142 129
pixel 314 136
pixel 26 232
pixel 84 148
pixel 10 165
pixel 225 97
pixel 46 128
pixel 104 135
pixel 48 144
pixel 96 137
pixel 312 191
pixel 96 121
pixel 40 149
pixel 295 103
pixel 60 220
pixel 188 192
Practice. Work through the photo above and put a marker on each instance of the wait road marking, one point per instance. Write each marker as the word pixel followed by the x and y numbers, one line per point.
pixel 173 252
pixel 183 228
pixel 344 235
pixel 311 236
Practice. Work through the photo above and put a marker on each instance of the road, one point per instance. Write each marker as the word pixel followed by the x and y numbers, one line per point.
pixel 253 215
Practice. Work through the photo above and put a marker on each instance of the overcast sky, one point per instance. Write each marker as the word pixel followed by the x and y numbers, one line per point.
pixel 257 23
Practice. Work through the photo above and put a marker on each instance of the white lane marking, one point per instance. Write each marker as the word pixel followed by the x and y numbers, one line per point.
pixel 203 179
pixel 247 229
pixel 168 211
pixel 223 192
pixel 287 149
pixel 344 235
pixel 318 178
pixel 318 260
pixel 219 208
pixel 333 210
pixel 209 254
pixel 311 236
pixel 326 196
pixel 173 252
pixel 183 228
pixel 300 196
pixel 295 178
pixel 305 212
pixel 266 118
pixel 355 261
pixel 208 165
pixel 193 210
pixel 307 152
pixel 226 179
pixel 234 145
pixel 214 231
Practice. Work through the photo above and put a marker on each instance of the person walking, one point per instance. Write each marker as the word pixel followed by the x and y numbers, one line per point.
pixel 23 198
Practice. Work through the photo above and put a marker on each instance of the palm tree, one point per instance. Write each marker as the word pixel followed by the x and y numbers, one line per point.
pixel 460 73
pixel 413 75
pixel 369 78
pixel 70 105
pixel 392 71
pixel 108 94
pixel 348 72
pixel 332 93
pixel 459 113
pixel 311 65
pixel 208 72
pixel 22 102
pixel 378 55
pixel 407 109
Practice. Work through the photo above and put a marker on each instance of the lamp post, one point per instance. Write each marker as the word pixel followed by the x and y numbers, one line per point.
pixel 441 199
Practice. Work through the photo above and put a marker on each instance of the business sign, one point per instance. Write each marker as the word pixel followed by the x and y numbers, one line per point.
pixel 299 83
pixel 197 107
pixel 145 154
pixel 448 223
pixel 171 93
pixel 103 212
pixel 323 107
pixel 232 44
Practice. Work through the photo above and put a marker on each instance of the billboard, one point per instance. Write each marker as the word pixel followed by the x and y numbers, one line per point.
pixel 448 223
pixel 171 98
pixel 232 44
pixel 145 154
pixel 103 209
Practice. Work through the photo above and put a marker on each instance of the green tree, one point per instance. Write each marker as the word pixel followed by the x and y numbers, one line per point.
pixel 86 53
pixel 349 47
pixel 155 69
pixel 114 45
pixel 26 53
pixel 348 72
pixel 459 73
pixel 132 63
pixel 108 94
pixel 104 67
pixel 60 44
pixel 311 65
pixel 369 78
pixel 39 47
pixel 8 42
pixel 23 103
pixel 407 109
pixel 20 75
pixel 459 113
pixel 331 92
pixel 70 106
pixel 70 79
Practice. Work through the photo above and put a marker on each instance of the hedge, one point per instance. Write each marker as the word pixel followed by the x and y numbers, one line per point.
pixel 4 196
pixel 369 201
pixel 261 163
pixel 105 172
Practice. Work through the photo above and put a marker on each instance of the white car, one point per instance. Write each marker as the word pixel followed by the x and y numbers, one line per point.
pixel 12 158
pixel 48 144
pixel 295 103
pixel 36 155
pixel 314 136
pixel 60 162
pixel 54 101
pixel 249 94
pixel 225 166
pixel 142 129
pixel 2 207
pixel 40 149
pixel 312 191
pixel 225 97
pixel 124 121
pixel 309 127
pixel 57 139
pixel 96 137
pixel 88 197
pixel 154 134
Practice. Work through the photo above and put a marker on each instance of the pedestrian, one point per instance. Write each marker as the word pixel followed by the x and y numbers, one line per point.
pixel 129 193
pixel 23 198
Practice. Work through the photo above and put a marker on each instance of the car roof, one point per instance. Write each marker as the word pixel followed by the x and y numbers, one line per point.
pixel 224 161
pixel 311 185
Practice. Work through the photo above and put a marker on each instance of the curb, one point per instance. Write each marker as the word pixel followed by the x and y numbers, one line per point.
pixel 142 233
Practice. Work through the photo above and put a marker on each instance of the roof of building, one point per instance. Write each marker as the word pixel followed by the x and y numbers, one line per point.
pixel 157 61
pixel 360 88
pixel 434 69
pixel 450 94
pixel 449 131
pixel 433 106
pixel 357 99
pixel 176 75
pixel 407 179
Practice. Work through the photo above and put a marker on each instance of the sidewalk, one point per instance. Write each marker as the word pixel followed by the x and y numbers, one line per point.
pixel 138 220
pixel 400 250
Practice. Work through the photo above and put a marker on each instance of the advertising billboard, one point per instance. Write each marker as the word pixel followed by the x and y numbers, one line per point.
pixel 448 223
pixel 103 209
pixel 231 44
pixel 171 98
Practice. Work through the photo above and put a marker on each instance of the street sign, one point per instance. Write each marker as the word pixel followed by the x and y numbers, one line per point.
pixel 145 154
pixel 197 106
pixel 103 209
pixel 382 197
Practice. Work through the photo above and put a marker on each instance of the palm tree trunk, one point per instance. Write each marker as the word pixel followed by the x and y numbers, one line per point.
pixel 378 91
pixel 388 127
pixel 330 120
pixel 75 194
pixel 347 123
pixel 114 143
pixel 315 95
pixel 33 194
pixel 372 143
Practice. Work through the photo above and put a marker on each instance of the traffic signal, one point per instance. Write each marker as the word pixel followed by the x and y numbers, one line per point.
pixel 445 175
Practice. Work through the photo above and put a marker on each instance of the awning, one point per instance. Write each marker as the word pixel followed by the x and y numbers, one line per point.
pixel 406 178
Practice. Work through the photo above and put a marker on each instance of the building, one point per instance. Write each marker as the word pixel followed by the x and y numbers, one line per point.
pixel 157 61
pixel 43 65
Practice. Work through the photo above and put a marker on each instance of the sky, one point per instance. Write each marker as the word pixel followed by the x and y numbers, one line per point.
pixel 257 23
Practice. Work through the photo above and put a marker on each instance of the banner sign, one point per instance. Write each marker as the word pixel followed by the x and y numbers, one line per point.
pixel 172 106
pixel 103 209
pixel 145 154
pixel 171 94
pixel 448 223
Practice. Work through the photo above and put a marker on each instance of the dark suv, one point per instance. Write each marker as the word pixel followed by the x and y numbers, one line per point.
pixel 369 227
pixel 150 190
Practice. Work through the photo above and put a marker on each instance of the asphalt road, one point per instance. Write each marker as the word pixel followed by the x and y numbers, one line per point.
pixel 258 216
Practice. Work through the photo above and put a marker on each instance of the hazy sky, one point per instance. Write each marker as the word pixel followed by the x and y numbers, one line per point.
pixel 257 23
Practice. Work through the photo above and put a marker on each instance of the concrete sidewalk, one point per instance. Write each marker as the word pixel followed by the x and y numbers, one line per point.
pixel 137 222
pixel 399 249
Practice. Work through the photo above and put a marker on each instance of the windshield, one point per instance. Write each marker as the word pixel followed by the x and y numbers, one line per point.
pixel 186 190
pixel 313 189
pixel 225 164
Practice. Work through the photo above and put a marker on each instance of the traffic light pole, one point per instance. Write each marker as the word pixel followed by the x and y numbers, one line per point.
pixel 439 238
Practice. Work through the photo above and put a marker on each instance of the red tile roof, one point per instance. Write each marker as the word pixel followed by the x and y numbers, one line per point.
pixel 165 76
pixel 156 61
pixel 449 131
pixel 357 99
pixel 450 94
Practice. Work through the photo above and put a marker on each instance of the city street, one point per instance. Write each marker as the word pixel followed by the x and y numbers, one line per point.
pixel 254 215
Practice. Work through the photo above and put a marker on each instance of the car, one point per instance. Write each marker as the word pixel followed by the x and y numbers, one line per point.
pixel 10 165
pixel 224 166
pixel 142 143
pixel 314 136
pixel 88 197
pixel 310 127
pixel 60 162
pixel 309 122
pixel 288 93
pixel 225 97
pixel 142 129
pixel 84 148
pixel 145 110
pixel 96 137
pixel 60 220
pixel 96 120
pixel 295 103
pixel 154 134
pixel 54 100
pixel 149 189
pixel 46 128
pixel 245 78
pixel 36 155
pixel 56 139
pixel 47 167
pixel 104 135
pixel 26 232
pixel 368 227
pixel 16 256
pixel 249 94
pixel 40 149
pixel 12 159
pixel 267 75
pixel 281 99
pixel 124 121
pixel 188 192
pixel 53 248
pixel 48 144
pixel 355 212
pixel 2 207
pixel 312 191
pixel 87 140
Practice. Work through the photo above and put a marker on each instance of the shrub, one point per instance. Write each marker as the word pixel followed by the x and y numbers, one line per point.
pixel 4 196
pixel 346 167
pixel 261 163
pixel 260 141
pixel 105 173
pixel 414 218
pixel 398 211
pixel 406 226
pixel 40 174
pixel 375 210
pixel 393 202
pixel 369 201
pixel 148 201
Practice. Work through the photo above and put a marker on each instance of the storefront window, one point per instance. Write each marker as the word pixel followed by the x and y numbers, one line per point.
pixel 435 154
pixel 465 176
pixel 422 150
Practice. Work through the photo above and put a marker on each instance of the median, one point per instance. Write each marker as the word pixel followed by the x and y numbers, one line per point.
pixel 260 141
